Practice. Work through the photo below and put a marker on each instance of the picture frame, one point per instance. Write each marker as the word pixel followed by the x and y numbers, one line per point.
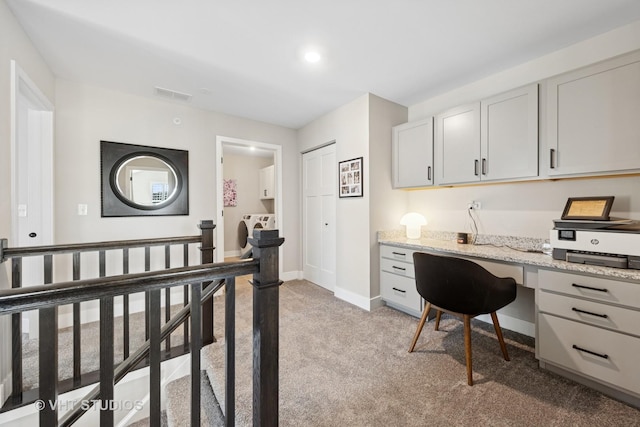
pixel 588 208
pixel 350 177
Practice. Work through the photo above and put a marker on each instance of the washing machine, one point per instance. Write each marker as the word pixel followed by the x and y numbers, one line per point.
pixel 267 221
pixel 245 230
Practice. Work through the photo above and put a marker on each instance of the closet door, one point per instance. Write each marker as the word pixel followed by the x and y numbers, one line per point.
pixel 319 172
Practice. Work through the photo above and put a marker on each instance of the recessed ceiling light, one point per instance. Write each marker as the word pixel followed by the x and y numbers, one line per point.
pixel 312 56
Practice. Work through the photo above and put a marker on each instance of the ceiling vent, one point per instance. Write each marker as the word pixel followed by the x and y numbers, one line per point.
pixel 173 94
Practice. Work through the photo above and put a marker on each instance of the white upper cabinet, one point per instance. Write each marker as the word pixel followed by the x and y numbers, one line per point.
pixel 412 154
pixel 267 182
pixel 509 141
pixel 594 119
pixel 491 140
pixel 457 145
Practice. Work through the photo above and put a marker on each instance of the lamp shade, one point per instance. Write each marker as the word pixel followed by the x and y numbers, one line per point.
pixel 413 221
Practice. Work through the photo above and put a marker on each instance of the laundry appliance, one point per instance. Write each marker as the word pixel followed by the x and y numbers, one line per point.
pixel 249 223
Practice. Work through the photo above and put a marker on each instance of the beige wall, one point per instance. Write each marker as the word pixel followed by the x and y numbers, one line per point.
pixel 246 171
pixel 87 114
pixel 14 45
pixel 525 209
pixel 348 126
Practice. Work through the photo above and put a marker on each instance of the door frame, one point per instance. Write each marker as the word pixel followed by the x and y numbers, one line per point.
pixel 22 85
pixel 277 161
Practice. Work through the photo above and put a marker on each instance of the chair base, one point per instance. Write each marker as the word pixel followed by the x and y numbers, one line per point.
pixel 466 320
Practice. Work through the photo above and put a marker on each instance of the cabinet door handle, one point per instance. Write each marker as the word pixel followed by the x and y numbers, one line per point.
pixel 484 166
pixel 475 167
pixel 604 356
pixel 428 173
pixel 265 192
pixel 399 290
pixel 552 155
pixel 398 268
pixel 577 310
pixel 399 254
pixel 590 288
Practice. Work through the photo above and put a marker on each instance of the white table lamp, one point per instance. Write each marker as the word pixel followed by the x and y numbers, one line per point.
pixel 413 221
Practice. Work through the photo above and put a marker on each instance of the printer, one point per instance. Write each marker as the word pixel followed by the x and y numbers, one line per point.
pixel 614 243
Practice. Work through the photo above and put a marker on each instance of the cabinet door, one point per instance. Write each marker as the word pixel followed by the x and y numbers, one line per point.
pixel 412 154
pixel 509 141
pixel 593 118
pixel 457 145
pixel 267 182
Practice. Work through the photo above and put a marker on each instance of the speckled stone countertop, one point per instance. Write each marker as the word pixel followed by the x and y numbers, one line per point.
pixel 517 250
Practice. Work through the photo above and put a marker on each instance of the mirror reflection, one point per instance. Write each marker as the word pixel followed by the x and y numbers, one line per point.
pixel 146 181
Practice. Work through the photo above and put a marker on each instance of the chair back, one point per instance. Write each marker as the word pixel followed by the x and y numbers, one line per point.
pixel 460 285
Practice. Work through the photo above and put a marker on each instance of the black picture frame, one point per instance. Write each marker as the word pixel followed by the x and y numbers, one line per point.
pixel 588 208
pixel 115 204
pixel 350 178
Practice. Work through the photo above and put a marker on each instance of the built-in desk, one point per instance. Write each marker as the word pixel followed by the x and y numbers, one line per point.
pixel 585 319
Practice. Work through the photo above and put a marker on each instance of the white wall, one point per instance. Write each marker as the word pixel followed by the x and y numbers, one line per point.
pixel 245 170
pixel 525 209
pixel 17 46
pixel 87 114
pixel 386 205
pixel 348 126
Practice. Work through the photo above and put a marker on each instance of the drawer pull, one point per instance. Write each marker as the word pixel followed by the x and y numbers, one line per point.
pixel 399 290
pixel 604 356
pixel 577 310
pixel 590 288
pixel 399 268
pixel 399 254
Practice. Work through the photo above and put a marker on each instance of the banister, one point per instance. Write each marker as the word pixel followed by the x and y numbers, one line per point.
pixel 36 297
pixel 6 252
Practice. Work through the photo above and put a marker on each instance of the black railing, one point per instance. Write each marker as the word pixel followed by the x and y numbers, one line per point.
pixel 47 298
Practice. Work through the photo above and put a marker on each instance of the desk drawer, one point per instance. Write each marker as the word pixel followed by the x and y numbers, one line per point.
pixel 616 355
pixel 401 291
pixel 595 288
pixel 397 267
pixel 396 253
pixel 503 270
pixel 608 316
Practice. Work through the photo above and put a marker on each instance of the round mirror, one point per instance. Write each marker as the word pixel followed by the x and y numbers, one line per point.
pixel 146 181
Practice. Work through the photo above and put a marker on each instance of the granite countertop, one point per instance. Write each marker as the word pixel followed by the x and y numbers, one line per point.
pixel 499 248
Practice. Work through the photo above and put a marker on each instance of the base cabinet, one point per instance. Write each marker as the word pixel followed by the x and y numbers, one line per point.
pixel 397 280
pixel 589 326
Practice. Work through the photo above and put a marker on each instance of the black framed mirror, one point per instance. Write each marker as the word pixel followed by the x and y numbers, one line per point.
pixel 137 180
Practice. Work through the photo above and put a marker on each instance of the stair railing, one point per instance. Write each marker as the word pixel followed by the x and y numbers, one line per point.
pixel 264 266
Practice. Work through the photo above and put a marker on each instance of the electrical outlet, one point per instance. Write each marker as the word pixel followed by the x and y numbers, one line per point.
pixel 476 206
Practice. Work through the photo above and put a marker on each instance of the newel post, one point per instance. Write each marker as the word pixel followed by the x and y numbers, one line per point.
pixel 206 257
pixel 266 286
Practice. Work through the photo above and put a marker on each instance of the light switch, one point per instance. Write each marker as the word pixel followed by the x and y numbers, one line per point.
pixel 22 210
pixel 82 209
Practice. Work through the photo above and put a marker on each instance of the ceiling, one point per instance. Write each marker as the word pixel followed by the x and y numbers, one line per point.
pixel 244 57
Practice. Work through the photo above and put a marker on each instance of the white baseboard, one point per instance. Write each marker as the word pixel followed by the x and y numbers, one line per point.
pixel 5 388
pixel 291 275
pixel 512 324
pixel 229 254
pixel 352 298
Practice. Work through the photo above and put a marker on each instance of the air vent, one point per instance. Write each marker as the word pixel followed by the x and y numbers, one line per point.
pixel 173 94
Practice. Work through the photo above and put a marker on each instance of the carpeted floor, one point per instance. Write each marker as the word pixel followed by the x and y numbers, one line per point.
pixel 343 366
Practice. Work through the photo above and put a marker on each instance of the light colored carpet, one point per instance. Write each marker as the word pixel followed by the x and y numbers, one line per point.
pixel 343 366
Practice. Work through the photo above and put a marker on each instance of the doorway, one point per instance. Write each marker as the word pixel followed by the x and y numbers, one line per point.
pixel 319 183
pixel 227 143
pixel 31 176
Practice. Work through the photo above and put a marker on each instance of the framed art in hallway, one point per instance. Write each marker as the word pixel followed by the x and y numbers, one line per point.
pixel 350 177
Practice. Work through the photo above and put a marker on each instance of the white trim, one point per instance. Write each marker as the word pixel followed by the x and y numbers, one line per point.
pixel 21 81
pixel 353 298
pixel 5 388
pixel 291 275
pixel 277 149
pixel 230 254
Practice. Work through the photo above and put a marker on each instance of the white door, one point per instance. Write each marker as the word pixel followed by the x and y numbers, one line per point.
pixel 32 178
pixel 319 172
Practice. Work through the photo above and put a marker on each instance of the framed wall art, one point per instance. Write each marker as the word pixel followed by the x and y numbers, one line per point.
pixel 350 178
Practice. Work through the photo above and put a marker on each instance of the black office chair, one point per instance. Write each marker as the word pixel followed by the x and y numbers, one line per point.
pixel 463 288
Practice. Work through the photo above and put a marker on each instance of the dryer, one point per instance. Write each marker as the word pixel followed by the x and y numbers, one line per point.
pixel 245 230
